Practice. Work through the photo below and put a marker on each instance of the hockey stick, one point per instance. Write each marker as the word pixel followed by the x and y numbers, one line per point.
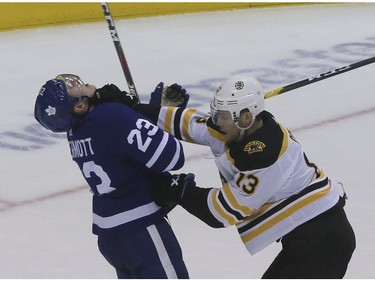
pixel 318 77
pixel 119 50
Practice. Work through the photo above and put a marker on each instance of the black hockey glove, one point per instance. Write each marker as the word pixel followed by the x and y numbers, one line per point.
pixel 173 95
pixel 182 190
pixel 171 188
pixel 111 93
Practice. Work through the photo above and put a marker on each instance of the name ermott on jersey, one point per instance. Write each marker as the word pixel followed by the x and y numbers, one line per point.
pixel 81 148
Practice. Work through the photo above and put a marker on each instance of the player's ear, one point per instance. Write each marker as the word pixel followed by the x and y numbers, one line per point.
pixel 245 119
pixel 82 106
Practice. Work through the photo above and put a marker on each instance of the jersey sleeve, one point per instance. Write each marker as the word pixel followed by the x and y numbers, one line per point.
pixel 146 143
pixel 192 126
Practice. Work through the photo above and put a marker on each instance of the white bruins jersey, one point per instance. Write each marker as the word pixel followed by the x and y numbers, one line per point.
pixel 269 185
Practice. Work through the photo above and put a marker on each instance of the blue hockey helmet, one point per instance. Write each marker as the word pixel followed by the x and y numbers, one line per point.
pixel 53 106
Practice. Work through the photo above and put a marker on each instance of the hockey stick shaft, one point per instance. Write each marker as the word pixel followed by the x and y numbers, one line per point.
pixel 319 77
pixel 119 50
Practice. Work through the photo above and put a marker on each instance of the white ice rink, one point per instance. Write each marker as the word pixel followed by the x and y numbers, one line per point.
pixel 45 206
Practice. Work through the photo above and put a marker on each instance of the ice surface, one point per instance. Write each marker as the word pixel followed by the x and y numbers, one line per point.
pixel 45 206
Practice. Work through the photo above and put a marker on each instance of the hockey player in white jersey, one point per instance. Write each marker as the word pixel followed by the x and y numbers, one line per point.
pixel 271 191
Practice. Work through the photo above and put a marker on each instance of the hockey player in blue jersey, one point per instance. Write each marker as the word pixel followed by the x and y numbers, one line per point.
pixel 121 155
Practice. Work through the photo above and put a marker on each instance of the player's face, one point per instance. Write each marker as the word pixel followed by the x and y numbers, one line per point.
pixel 82 90
pixel 75 87
pixel 223 119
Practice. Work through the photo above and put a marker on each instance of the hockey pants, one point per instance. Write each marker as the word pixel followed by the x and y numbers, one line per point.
pixel 148 253
pixel 319 248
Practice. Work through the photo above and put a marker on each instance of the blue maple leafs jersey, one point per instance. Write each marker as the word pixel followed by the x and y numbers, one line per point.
pixel 121 155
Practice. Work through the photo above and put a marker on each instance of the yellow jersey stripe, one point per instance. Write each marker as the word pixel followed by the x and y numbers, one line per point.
pixel 286 213
pixel 168 119
pixel 185 121
pixel 219 209
pixel 233 201
pixel 215 134
pixel 285 143
pixel 230 159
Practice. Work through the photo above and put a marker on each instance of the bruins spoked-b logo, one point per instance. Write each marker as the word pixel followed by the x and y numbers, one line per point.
pixel 239 85
pixel 254 146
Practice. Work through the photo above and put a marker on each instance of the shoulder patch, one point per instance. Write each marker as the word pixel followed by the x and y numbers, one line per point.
pixel 254 146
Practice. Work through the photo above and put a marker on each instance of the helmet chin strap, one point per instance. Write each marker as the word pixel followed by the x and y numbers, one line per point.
pixel 89 101
pixel 243 130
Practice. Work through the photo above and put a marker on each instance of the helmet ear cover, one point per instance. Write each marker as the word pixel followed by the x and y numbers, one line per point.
pixel 54 107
